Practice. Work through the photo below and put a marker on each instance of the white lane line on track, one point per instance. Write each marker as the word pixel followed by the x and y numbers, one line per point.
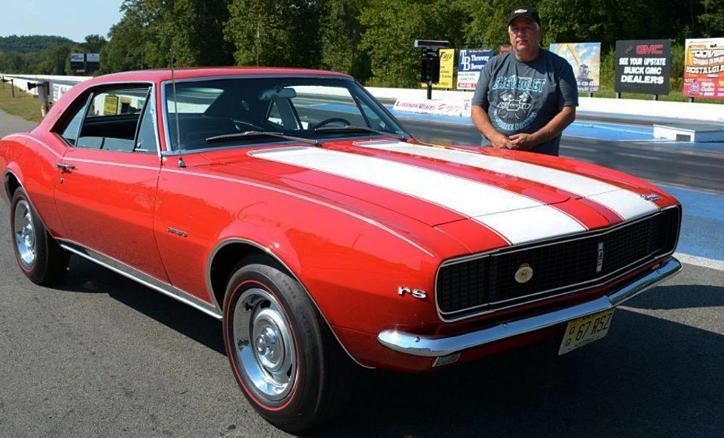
pixel 700 261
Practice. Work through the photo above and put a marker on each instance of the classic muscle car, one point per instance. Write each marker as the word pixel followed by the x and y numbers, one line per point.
pixel 294 207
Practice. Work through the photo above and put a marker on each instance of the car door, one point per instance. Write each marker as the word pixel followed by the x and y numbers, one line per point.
pixel 107 180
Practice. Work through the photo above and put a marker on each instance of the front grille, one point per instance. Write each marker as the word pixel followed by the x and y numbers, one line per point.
pixel 487 282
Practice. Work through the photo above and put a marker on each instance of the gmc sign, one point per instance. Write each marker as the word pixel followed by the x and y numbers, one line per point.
pixel 643 66
pixel 650 49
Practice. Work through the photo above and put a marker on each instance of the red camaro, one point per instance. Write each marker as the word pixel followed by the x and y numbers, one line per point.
pixel 293 206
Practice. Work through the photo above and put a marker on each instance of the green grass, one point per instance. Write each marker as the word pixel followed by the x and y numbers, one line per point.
pixel 23 105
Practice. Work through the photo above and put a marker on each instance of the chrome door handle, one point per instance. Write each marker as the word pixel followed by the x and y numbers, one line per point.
pixel 65 167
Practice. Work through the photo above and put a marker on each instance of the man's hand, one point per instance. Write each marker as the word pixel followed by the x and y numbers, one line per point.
pixel 522 142
pixel 500 141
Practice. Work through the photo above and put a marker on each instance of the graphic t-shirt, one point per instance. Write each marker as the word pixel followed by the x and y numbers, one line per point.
pixel 524 96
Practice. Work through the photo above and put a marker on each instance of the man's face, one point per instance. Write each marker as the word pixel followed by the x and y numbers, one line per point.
pixel 525 36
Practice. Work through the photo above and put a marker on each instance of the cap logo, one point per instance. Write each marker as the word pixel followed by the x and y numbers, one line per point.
pixel 520 11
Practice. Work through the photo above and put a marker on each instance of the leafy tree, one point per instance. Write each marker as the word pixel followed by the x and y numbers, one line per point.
pixel 392 26
pixel 341 37
pixel 275 32
pixel 56 60
pixel 12 62
pixel 133 43
pixel 150 30
pixel 32 43
pixel 487 22
pixel 713 17
pixel 194 30
pixel 93 43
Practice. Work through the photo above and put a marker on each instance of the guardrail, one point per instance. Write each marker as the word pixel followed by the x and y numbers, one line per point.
pixel 456 102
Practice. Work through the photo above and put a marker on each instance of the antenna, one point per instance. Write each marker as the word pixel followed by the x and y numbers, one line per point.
pixel 181 162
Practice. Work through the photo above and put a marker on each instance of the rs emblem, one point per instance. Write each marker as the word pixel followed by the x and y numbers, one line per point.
pixel 416 293
pixel 599 260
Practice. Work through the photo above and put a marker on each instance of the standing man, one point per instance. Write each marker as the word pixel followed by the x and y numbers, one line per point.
pixel 525 98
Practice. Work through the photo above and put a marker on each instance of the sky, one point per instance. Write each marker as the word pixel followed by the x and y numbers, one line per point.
pixel 73 19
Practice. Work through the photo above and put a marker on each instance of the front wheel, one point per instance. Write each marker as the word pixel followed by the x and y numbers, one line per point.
pixel 283 355
pixel 40 257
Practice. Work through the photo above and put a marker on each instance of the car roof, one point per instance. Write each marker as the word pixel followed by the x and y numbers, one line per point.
pixel 158 75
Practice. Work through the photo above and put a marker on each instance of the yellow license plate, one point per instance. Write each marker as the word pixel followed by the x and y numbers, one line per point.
pixel 584 330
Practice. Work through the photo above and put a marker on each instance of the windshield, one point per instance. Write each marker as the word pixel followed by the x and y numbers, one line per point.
pixel 215 113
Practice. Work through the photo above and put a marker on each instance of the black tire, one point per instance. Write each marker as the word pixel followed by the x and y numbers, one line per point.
pixel 40 257
pixel 284 357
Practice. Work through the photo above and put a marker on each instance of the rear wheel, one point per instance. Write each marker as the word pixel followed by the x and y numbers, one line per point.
pixel 40 257
pixel 283 355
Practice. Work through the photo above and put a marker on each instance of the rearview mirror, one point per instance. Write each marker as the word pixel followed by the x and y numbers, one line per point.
pixel 277 93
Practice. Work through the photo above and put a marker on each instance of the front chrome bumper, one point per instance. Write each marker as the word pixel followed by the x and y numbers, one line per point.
pixel 427 346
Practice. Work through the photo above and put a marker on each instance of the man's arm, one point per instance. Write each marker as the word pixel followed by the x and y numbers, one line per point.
pixel 552 129
pixel 482 122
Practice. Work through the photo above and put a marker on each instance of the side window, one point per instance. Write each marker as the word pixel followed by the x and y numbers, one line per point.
pixel 146 140
pixel 110 120
pixel 70 132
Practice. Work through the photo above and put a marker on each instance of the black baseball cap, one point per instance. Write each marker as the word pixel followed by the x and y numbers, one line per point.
pixel 528 12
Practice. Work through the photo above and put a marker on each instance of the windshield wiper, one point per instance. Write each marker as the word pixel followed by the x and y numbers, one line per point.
pixel 256 134
pixel 354 128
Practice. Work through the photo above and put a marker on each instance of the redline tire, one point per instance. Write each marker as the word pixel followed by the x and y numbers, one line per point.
pixel 284 357
pixel 40 257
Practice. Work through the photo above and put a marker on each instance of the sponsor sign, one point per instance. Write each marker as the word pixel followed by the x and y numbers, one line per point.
pixel 59 90
pixel 434 106
pixel 77 61
pixel 110 105
pixel 585 58
pixel 93 62
pixel 643 66
pixel 447 64
pixel 470 63
pixel 704 68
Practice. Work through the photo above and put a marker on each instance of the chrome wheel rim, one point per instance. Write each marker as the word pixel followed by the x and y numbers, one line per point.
pixel 25 238
pixel 263 344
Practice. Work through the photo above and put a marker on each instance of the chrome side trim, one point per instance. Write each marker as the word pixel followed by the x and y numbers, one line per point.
pixel 427 346
pixel 144 279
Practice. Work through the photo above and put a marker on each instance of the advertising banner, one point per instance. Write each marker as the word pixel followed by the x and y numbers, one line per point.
pixel 643 66
pixel 447 65
pixel 93 62
pixel 585 58
pixel 77 61
pixel 704 68
pixel 59 90
pixel 436 106
pixel 470 63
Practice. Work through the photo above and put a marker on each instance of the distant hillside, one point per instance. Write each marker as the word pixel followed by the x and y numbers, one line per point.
pixel 32 43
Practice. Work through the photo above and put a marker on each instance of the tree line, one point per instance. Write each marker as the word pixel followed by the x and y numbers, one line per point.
pixel 369 39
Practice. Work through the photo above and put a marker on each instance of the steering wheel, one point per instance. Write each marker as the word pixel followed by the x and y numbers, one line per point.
pixel 239 124
pixel 329 121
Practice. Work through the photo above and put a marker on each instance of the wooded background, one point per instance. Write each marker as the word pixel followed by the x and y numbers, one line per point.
pixel 369 39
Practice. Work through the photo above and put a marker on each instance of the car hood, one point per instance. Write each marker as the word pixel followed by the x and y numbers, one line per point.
pixel 518 200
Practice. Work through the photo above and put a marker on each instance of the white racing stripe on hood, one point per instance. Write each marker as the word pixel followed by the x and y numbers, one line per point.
pixel 492 206
pixel 623 202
